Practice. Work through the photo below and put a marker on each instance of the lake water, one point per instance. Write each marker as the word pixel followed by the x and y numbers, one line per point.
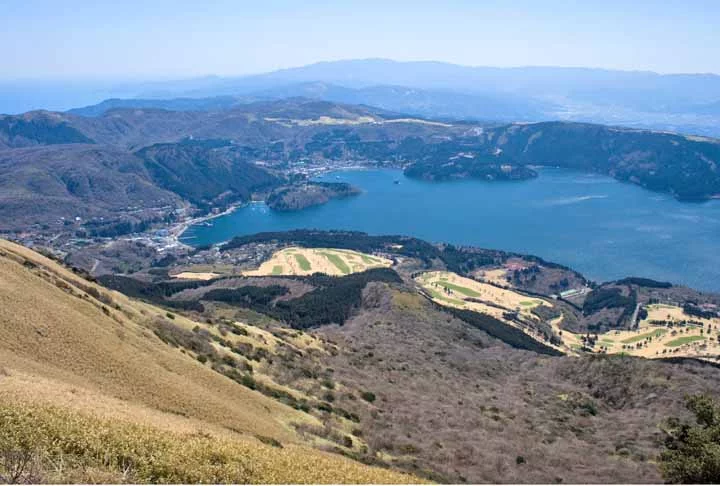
pixel 594 224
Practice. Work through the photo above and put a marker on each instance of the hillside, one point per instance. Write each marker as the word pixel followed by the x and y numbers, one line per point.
pixel 38 128
pixel 683 166
pixel 71 349
pixel 40 185
pixel 450 396
pixel 205 172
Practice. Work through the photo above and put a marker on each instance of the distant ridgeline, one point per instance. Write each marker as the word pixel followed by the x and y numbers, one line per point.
pixel 59 165
pixel 687 168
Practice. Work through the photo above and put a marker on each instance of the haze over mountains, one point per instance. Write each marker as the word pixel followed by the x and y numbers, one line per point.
pixel 687 103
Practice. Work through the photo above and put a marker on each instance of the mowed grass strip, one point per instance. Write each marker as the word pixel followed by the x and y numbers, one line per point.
pixel 460 289
pixel 684 340
pixel 277 270
pixel 440 296
pixel 337 261
pixel 303 262
pixel 642 337
pixel 369 260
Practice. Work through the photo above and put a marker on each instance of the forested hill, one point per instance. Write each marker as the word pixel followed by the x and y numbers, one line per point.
pixel 684 166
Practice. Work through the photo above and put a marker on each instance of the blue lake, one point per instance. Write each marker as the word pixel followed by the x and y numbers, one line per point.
pixel 594 224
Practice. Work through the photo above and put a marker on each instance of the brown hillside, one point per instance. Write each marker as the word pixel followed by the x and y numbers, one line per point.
pixel 69 343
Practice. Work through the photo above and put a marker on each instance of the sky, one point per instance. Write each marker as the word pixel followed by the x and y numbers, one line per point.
pixel 163 39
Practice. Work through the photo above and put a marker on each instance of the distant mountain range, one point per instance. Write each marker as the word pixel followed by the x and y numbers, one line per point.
pixel 687 103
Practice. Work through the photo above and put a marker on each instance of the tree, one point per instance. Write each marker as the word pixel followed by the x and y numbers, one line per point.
pixel 692 451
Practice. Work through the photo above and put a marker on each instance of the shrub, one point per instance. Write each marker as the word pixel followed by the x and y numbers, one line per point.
pixel 324 407
pixel 368 396
pixel 269 441
pixel 692 451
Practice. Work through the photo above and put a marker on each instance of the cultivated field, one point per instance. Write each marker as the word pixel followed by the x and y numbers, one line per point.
pixel 306 261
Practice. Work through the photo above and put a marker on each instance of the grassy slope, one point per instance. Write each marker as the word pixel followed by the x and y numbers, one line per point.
pixel 61 346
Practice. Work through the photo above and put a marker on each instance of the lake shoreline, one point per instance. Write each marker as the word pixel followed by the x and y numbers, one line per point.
pixel 605 228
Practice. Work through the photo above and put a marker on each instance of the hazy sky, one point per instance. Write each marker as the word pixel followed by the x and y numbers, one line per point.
pixel 177 38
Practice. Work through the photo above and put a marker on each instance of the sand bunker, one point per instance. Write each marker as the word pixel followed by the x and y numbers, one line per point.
pixel 196 275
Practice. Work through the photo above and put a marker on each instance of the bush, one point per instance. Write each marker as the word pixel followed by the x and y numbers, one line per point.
pixel 368 396
pixel 692 451
pixel 324 407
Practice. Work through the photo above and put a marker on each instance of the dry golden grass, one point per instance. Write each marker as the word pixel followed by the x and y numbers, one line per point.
pixel 196 275
pixel 52 444
pixel 71 343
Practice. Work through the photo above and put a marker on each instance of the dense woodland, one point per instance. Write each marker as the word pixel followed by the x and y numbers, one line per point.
pixel 305 194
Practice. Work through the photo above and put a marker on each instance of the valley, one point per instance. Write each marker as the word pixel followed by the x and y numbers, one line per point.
pixel 360 243
pixel 358 365
pixel 172 296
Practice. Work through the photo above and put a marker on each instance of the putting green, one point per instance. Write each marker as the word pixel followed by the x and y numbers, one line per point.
pixel 642 337
pixel 440 296
pixel 459 288
pixel 684 340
